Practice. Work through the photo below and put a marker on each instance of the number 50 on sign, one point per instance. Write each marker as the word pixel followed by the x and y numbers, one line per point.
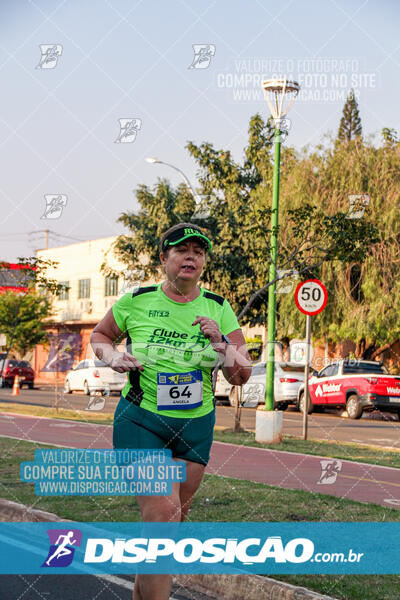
pixel 311 297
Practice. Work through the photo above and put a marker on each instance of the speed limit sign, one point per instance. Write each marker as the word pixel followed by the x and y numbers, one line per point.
pixel 311 297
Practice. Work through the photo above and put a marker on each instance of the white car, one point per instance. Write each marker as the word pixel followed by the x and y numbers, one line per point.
pixel 222 386
pixel 93 375
pixel 288 378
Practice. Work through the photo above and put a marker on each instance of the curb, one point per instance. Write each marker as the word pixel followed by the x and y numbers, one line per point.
pixel 222 587
pixel 246 587
pixel 13 511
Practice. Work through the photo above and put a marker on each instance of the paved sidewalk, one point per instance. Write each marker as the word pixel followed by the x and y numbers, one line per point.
pixel 355 481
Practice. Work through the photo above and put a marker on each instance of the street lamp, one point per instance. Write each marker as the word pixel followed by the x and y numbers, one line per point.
pixel 280 95
pixel 182 174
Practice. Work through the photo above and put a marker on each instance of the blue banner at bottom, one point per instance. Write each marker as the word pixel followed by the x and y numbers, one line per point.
pixel 263 548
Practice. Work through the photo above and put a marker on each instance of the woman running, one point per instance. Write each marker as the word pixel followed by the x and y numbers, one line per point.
pixel 176 332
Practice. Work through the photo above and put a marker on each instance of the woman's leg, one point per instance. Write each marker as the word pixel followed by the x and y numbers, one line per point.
pixel 157 508
pixel 166 508
pixel 188 488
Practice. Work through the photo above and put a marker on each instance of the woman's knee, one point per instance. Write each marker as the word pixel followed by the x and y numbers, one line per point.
pixel 167 509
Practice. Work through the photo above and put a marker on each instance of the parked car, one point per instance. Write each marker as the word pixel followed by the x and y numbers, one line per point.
pixel 22 368
pixel 222 387
pixel 358 386
pixel 93 375
pixel 288 377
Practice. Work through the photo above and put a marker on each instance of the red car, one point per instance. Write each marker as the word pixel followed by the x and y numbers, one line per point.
pixel 13 367
pixel 357 385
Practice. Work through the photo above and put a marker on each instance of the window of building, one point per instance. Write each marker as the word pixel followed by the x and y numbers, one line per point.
pixel 111 286
pixel 64 294
pixel 84 288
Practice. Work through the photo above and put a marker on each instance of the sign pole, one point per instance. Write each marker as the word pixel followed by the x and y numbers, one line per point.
pixel 310 297
pixel 306 376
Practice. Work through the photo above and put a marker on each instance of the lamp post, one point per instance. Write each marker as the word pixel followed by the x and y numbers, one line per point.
pixel 280 95
pixel 182 174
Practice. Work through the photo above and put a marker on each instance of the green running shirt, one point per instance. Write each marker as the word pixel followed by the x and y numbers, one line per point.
pixel 161 336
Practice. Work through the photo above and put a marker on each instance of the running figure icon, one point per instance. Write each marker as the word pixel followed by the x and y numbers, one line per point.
pixel 62 549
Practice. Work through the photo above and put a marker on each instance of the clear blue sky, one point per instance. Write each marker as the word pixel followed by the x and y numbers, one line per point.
pixel 130 59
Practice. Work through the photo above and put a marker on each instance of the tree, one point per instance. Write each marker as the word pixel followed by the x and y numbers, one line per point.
pixel 350 123
pixel 363 304
pixel 238 199
pixel 22 314
pixel 21 319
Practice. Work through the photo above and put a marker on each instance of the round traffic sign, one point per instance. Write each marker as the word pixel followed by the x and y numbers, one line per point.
pixel 311 296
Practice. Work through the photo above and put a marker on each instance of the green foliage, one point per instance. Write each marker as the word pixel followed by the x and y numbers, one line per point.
pixel 390 136
pixel 254 348
pixel 22 313
pixel 21 319
pixel 350 123
pixel 355 258
pixel 363 293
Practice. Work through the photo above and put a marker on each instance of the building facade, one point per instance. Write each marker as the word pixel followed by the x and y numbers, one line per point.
pixel 89 296
pixel 79 308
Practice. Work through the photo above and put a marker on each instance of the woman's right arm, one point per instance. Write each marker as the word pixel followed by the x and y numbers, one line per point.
pixel 102 342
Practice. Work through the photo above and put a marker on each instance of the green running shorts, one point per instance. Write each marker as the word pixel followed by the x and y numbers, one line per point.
pixel 189 439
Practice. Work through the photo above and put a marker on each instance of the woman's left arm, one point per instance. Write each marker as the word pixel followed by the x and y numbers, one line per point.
pixel 236 362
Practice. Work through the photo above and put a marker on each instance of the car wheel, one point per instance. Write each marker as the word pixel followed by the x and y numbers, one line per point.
pixel 86 388
pixel 30 386
pixel 232 399
pixel 67 387
pixel 281 405
pixel 301 404
pixel 353 407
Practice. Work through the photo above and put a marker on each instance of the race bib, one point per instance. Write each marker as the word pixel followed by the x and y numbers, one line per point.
pixel 179 390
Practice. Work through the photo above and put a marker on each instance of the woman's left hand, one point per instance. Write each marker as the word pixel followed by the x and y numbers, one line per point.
pixel 209 329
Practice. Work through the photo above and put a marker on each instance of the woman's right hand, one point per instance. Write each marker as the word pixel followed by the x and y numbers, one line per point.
pixel 123 362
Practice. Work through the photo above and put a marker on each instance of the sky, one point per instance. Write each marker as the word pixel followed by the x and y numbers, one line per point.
pixel 90 89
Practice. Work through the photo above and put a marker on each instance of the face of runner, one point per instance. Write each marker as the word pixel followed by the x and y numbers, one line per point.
pixel 185 261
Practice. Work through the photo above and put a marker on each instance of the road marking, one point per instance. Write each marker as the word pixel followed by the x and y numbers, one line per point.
pixel 371 480
pixel 392 501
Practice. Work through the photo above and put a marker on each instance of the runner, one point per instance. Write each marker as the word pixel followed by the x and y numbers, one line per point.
pixel 175 333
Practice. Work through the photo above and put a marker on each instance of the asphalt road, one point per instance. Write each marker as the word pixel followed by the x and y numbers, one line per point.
pixel 376 429
pixel 352 480
pixel 78 587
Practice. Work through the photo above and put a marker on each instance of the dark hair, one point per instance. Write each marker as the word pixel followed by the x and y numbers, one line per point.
pixel 173 228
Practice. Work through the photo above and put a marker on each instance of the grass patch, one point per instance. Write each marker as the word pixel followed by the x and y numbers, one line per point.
pixel 63 413
pixel 220 499
pixel 344 450
pixel 349 587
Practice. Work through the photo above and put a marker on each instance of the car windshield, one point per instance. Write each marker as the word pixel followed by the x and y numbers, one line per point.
pixel 258 369
pixel 360 368
pixel 14 363
pixel 100 363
